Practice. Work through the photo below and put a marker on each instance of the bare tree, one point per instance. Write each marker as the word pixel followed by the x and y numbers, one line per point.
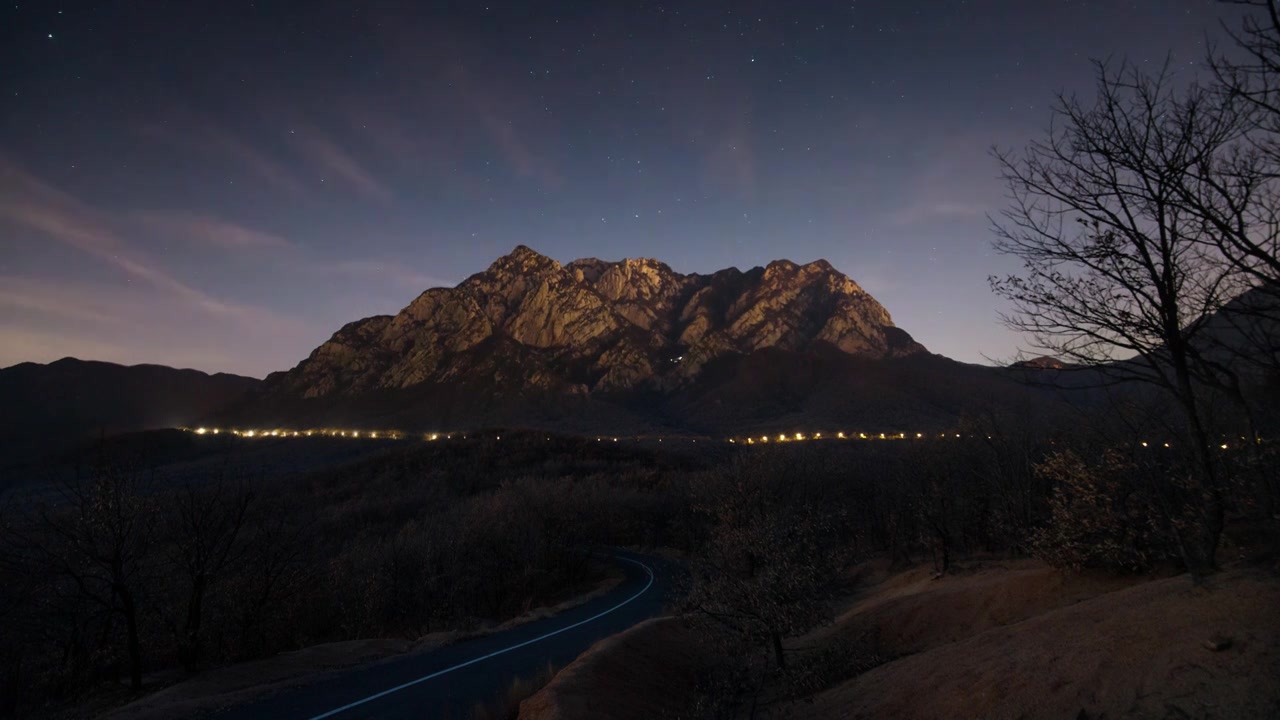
pixel 767 570
pixel 205 524
pixel 1252 74
pixel 95 540
pixel 271 575
pixel 1118 274
pixel 1238 193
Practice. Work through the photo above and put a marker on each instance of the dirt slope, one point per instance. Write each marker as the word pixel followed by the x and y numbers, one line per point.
pixel 993 640
pixel 1134 652
pixel 634 674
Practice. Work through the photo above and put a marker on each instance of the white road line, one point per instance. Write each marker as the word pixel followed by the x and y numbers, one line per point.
pixel 495 653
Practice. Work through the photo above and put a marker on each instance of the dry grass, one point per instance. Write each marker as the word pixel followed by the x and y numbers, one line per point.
pixel 1133 652
pixel 507 707
pixel 643 673
pixel 909 611
pixel 994 640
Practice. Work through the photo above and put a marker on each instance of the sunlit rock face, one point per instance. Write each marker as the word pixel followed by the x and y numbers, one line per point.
pixel 594 326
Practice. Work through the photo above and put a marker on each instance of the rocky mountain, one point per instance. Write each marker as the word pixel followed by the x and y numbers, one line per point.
pixel 51 406
pixel 627 346
pixel 591 327
pixel 1044 362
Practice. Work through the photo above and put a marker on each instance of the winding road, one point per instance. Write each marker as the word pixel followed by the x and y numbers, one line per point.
pixel 448 682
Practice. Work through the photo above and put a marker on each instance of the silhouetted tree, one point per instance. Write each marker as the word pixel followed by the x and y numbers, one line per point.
pixel 767 569
pixel 204 526
pixel 1238 194
pixel 1118 273
pixel 95 540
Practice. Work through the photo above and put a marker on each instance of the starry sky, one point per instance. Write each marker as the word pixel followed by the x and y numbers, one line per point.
pixel 221 184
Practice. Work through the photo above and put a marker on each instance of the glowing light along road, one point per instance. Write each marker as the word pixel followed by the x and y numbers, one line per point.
pixel 338 710
pixel 356 434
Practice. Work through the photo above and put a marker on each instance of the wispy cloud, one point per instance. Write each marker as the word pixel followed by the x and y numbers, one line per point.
pixel 390 136
pixel 45 321
pixel 223 145
pixel 326 156
pixel 465 92
pixel 208 230
pixel 225 236
pixel 19 295
pixel 29 203
pixel 499 114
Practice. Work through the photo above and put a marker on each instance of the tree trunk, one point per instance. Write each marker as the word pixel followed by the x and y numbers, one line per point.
pixel 1209 507
pixel 777 650
pixel 135 647
pixel 189 652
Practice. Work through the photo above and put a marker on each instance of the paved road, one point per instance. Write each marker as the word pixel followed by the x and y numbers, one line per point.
pixel 448 682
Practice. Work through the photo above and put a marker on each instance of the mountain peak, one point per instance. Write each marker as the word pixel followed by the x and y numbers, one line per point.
pixel 523 260
pixel 525 252
pixel 595 325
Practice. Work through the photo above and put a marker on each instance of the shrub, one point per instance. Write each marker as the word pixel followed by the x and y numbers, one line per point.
pixel 1101 515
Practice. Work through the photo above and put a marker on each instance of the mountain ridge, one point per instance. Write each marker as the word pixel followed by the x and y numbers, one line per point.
pixel 593 326
pixel 52 406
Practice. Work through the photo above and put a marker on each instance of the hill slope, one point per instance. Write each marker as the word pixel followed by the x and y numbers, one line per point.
pixel 49 407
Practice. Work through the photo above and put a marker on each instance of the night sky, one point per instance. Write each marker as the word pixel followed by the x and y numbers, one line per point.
pixel 221 185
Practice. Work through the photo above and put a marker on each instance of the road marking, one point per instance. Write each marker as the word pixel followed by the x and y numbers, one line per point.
pixel 495 653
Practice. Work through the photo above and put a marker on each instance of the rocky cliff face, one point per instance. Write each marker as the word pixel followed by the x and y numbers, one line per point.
pixel 591 326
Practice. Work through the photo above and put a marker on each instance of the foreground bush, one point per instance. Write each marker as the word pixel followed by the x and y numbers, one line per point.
pixel 1100 516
